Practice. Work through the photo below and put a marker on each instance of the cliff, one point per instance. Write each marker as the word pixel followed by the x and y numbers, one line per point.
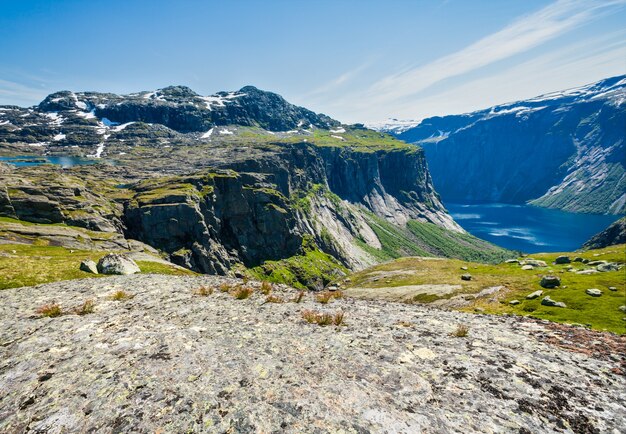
pixel 218 186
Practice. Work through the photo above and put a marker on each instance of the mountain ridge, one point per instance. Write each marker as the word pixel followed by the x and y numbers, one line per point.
pixel 559 150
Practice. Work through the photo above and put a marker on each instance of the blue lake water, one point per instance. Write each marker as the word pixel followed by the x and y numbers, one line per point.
pixel 63 161
pixel 528 228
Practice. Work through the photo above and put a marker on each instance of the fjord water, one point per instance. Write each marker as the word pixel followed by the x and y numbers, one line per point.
pixel 529 228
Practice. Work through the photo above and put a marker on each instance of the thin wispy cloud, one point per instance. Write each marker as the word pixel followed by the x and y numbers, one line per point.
pixel 391 94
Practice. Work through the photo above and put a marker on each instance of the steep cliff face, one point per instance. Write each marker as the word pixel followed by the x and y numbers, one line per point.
pixel 564 150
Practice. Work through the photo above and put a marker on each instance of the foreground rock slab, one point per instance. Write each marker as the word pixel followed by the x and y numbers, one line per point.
pixel 167 360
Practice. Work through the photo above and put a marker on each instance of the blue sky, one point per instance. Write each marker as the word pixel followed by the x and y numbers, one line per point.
pixel 358 61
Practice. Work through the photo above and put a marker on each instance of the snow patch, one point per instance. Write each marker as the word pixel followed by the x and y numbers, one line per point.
pixel 338 130
pixel 338 137
pixel 58 137
pixel 121 127
pixel 207 134
pixel 220 100
pixel 226 132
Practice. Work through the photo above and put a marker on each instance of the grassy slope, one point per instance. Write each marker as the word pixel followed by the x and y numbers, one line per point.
pixel 427 239
pixel 601 313
pixel 33 265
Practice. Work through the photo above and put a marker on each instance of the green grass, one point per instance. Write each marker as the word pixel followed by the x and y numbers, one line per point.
pixel 301 271
pixel 601 313
pixel 33 265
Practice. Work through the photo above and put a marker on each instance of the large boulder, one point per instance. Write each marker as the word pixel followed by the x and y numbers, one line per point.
pixel 550 282
pixel 562 260
pixel 114 263
pixel 611 266
pixel 534 263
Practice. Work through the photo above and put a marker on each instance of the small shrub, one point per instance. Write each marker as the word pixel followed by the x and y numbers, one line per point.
pixel 242 292
pixel 245 280
pixel 86 308
pixel 50 310
pixel 225 287
pixel 324 297
pixel 121 295
pixel 274 299
pixel 266 288
pixel 298 298
pixel 338 318
pixel 461 331
pixel 322 318
pixel 204 291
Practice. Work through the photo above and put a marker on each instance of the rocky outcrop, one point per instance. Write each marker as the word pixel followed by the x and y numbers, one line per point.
pixel 564 150
pixel 614 234
pixel 143 364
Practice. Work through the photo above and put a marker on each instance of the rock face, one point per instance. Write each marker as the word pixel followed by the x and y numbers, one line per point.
pixel 563 150
pixel 614 234
pixel 114 263
pixel 144 364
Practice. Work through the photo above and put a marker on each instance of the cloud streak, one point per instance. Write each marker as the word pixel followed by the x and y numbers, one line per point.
pixel 391 95
pixel 520 36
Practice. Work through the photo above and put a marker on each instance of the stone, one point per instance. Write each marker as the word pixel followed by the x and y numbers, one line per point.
pixel 466 277
pixel 562 260
pixel 595 263
pixel 464 268
pixel 594 292
pixel 577 259
pixel 514 302
pixel 589 271
pixel 89 266
pixel 550 282
pixel 332 288
pixel 612 288
pixel 534 263
pixel 611 266
pixel 622 308
pixel 585 261
pixel 547 301
pixel 114 263
pixel 534 295
pixel 511 261
pixel 527 267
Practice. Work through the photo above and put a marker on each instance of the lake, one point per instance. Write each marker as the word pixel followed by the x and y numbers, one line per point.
pixel 528 228
pixel 63 161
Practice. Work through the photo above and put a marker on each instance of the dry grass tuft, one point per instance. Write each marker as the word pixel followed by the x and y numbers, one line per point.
pixel 121 295
pixel 50 310
pixel 242 292
pixel 323 318
pixel 204 291
pixel 226 287
pixel 299 296
pixel 461 331
pixel 86 308
pixel 274 299
pixel 326 297
pixel 266 288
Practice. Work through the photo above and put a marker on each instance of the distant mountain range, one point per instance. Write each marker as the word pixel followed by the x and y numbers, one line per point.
pixel 561 150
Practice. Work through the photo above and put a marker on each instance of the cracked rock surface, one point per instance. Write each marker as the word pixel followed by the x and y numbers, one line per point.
pixel 167 360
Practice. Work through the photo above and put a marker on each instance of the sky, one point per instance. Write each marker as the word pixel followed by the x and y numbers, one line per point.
pixel 355 60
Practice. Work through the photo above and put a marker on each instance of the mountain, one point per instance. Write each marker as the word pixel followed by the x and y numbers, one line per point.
pixel 614 234
pixel 561 150
pixel 234 182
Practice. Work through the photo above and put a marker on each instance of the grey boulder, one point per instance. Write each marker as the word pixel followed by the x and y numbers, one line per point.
pixel 547 301
pixel 534 295
pixel 550 281
pixel 89 266
pixel 114 263
pixel 594 292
